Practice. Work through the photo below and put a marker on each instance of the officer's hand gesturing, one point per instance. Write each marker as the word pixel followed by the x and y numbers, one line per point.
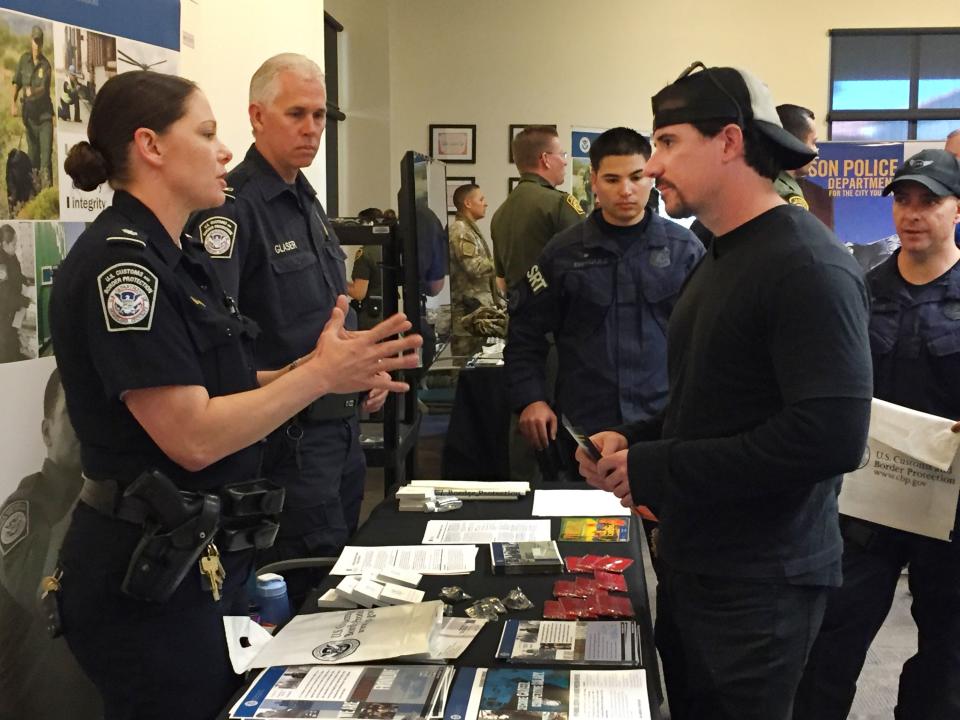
pixel 375 400
pixel 353 361
pixel 538 424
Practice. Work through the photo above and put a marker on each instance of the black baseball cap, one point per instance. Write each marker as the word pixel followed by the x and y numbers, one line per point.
pixel 726 93
pixel 936 170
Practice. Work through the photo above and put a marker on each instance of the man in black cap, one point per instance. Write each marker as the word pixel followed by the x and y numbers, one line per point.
pixel 32 85
pixel 770 387
pixel 915 343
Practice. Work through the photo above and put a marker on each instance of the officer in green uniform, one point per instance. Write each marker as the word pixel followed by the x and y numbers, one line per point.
pixel 531 215
pixel 32 81
pixel 799 122
pixel 476 309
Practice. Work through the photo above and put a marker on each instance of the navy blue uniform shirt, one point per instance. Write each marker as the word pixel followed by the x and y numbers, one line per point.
pixel 275 251
pixel 130 310
pixel 605 293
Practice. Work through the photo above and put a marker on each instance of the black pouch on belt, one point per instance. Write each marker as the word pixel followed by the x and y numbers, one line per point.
pixel 330 407
pixel 180 525
pixel 248 515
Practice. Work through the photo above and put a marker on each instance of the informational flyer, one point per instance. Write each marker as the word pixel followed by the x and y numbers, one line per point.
pixel 598 642
pixel 424 559
pixel 456 532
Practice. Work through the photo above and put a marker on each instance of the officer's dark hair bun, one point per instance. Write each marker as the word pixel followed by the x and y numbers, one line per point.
pixel 86 165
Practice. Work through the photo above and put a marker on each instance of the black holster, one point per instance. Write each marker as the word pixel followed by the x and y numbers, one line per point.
pixel 179 526
pixel 249 515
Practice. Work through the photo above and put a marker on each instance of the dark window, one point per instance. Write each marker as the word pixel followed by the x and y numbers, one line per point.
pixel 894 84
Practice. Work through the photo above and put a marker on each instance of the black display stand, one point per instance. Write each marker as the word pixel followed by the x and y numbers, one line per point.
pixel 396 454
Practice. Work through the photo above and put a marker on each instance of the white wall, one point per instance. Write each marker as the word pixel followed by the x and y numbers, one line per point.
pixel 231 39
pixel 498 62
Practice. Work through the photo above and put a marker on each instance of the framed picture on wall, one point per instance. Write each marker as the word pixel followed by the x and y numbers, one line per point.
pixel 453 143
pixel 514 131
pixel 512 183
pixel 452 184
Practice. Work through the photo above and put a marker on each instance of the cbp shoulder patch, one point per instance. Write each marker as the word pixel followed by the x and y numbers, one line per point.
pixel 575 204
pixel 217 234
pixel 128 295
pixel 14 525
pixel 799 201
pixel 536 280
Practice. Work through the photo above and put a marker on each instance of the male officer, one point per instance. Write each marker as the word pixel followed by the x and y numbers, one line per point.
pixel 533 213
pixel 915 343
pixel 770 387
pixel 39 677
pixel 276 252
pixel 605 289
pixel 799 122
pixel 952 146
pixel 475 301
pixel 32 82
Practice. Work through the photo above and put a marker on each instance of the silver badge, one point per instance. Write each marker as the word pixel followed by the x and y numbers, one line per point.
pixel 660 258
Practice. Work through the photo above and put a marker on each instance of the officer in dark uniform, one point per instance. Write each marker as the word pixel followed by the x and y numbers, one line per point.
pixel 366 286
pixel 39 677
pixel 32 80
pixel 915 344
pixel 168 408
pixel 533 212
pixel 272 245
pixel 604 289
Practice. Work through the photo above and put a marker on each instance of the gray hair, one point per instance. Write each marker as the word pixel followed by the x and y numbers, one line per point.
pixel 954 133
pixel 263 85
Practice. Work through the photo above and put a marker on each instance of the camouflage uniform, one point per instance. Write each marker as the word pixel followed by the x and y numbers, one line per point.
pixel 471 283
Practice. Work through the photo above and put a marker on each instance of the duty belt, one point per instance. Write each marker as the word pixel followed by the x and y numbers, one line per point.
pixel 330 407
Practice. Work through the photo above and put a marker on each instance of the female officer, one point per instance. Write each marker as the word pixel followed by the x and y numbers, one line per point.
pixel 157 376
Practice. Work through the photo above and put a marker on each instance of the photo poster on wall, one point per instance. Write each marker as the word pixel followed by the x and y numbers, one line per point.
pixel 581 140
pixel 58 54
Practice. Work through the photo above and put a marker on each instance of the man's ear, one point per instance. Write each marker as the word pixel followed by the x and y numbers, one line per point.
pixel 732 136
pixel 255 111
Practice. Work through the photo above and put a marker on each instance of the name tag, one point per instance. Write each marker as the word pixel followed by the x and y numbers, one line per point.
pixel 287 246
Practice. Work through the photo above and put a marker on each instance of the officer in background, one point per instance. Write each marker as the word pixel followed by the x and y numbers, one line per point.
pixel 476 308
pixel 915 344
pixel 32 80
pixel 39 677
pixel 533 212
pixel 274 248
pixel 952 146
pixel 366 277
pixel 604 289
pixel 799 122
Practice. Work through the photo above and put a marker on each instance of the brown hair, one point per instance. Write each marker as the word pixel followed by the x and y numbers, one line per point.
pixel 125 103
pixel 530 143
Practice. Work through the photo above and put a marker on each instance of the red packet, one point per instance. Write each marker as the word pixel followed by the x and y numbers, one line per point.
pixel 573 564
pixel 565 588
pixel 618 606
pixel 614 564
pixel 554 610
pixel 585 586
pixel 579 607
pixel 610 581
pixel 589 563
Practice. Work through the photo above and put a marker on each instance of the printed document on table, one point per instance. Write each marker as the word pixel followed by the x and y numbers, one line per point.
pixel 897 484
pixel 426 560
pixel 572 503
pixel 485 531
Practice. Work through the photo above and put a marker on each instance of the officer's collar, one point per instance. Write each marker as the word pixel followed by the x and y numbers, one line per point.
pixel 148 228
pixel 270 183
pixel 470 223
pixel 534 177
pixel 609 235
pixel 889 280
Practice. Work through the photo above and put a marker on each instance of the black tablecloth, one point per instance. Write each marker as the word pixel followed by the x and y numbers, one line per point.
pixel 477 442
pixel 388 526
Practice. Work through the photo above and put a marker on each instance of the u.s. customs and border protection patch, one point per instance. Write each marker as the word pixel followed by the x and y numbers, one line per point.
pixel 575 204
pixel 535 279
pixel 217 234
pixel 14 525
pixel 128 295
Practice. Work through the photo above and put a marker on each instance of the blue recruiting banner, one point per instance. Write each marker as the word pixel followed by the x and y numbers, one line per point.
pixel 854 176
pixel 581 141
pixel 156 21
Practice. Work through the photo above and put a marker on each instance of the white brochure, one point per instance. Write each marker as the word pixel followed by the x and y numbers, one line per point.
pixel 577 503
pixel 433 560
pixel 907 479
pixel 485 531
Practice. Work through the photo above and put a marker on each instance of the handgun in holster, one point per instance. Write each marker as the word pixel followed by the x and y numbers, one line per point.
pixel 249 515
pixel 180 524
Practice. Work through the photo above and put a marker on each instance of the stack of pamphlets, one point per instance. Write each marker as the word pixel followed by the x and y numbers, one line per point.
pixel 575 642
pixel 416 499
pixel 475 489
pixel 415 692
pixel 522 558
pixel 541 694
pixel 389 586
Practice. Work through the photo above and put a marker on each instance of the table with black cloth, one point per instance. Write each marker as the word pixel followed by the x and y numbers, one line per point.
pixel 388 526
pixel 478 438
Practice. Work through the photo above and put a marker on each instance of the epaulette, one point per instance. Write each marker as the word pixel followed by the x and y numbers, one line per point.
pixel 236 179
pixel 128 237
